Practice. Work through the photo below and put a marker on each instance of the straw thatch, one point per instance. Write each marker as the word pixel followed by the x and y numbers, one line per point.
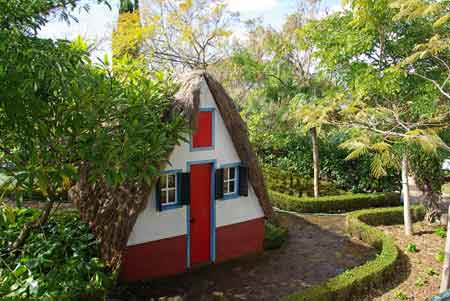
pixel 188 99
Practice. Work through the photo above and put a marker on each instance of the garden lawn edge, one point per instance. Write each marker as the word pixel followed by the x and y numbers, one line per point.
pixel 375 273
pixel 335 203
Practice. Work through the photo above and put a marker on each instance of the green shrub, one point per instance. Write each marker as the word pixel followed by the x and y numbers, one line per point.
pixel 440 256
pixel 412 248
pixel 60 260
pixel 373 274
pixel 334 204
pixel 274 236
pixel 441 232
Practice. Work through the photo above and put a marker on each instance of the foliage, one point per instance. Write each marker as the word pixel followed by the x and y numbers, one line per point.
pixel 400 295
pixel 61 259
pixel 411 248
pixel 286 148
pixel 383 106
pixel 441 232
pixel 334 204
pixel 440 256
pixel 290 183
pixel 420 282
pixel 64 110
pixel 354 283
pixel 64 119
pixel 431 272
pixel 274 236
pixel 188 34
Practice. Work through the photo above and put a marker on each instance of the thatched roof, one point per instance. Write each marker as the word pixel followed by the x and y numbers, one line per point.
pixel 188 99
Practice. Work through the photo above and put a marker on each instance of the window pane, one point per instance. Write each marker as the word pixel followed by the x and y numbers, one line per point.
pixel 225 188
pixel 232 186
pixel 171 180
pixel 232 171
pixel 226 174
pixel 163 197
pixel 172 196
pixel 163 181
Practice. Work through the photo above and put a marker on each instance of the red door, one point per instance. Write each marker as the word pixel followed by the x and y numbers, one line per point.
pixel 200 219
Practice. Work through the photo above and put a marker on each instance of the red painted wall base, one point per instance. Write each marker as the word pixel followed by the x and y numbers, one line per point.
pixel 154 259
pixel 168 256
pixel 239 239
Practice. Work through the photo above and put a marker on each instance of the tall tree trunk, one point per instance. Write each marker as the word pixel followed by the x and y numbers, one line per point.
pixel 316 161
pixel 446 266
pixel 406 196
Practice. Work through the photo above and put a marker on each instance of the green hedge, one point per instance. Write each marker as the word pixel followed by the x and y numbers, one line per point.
pixel 290 183
pixel 334 204
pixel 375 273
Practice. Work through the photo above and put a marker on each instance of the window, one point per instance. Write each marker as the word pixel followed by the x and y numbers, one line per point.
pixel 229 181
pixel 168 189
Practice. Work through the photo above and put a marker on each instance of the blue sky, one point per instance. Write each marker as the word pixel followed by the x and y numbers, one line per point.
pixel 97 24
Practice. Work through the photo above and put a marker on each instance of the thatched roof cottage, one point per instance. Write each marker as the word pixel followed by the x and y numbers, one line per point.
pixel 210 203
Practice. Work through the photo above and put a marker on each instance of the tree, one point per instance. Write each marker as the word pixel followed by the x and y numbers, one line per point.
pixel 188 34
pixel 278 65
pixel 64 120
pixel 385 108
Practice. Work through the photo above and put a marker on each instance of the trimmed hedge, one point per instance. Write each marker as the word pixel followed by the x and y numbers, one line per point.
pixel 375 273
pixel 334 204
pixel 290 183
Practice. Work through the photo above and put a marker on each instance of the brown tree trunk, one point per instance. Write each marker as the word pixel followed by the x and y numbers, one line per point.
pixel 111 212
pixel 316 161
pixel 18 243
pixel 431 201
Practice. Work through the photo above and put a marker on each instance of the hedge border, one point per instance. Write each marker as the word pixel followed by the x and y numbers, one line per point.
pixel 334 204
pixel 373 274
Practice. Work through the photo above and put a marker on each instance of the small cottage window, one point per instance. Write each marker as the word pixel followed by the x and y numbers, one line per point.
pixel 168 189
pixel 229 181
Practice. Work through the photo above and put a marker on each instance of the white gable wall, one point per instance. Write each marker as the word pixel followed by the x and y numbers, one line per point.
pixel 154 225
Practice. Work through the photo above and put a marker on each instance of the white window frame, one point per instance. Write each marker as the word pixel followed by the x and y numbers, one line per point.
pixel 167 189
pixel 227 180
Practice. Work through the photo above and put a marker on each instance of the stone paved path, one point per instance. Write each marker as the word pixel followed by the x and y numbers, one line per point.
pixel 317 249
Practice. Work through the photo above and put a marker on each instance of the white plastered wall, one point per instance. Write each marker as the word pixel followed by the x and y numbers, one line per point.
pixel 154 225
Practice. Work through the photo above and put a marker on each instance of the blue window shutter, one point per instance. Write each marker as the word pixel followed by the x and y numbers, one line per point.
pixel 158 195
pixel 184 188
pixel 243 180
pixel 219 183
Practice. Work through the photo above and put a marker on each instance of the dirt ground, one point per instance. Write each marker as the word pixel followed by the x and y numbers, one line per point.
pixel 421 270
pixel 317 249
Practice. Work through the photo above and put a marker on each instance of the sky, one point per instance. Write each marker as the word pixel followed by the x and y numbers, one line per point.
pixel 97 24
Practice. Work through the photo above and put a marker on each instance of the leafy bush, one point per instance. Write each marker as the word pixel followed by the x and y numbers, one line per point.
pixel 274 236
pixel 334 204
pixel 440 256
pixel 441 232
pixel 412 248
pixel 61 259
pixel 354 283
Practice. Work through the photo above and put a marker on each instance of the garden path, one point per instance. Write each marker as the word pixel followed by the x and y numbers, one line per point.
pixel 317 249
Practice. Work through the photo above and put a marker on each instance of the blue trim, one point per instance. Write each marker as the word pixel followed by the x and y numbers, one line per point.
pixel 213 212
pixel 188 235
pixel 177 185
pixel 213 132
pixel 235 195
